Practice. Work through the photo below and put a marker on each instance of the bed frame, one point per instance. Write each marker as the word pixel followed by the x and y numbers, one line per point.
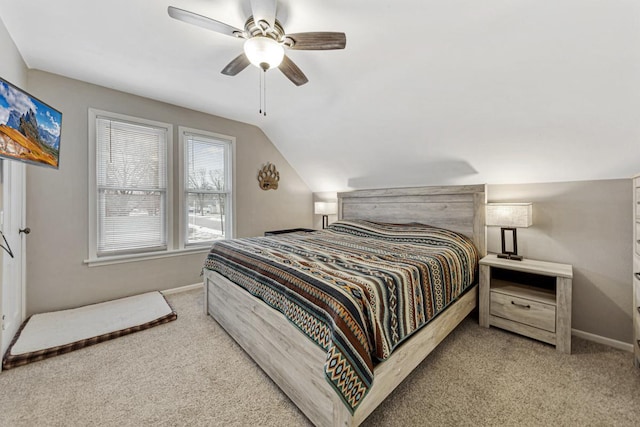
pixel 294 362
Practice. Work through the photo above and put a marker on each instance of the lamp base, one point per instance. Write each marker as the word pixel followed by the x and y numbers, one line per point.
pixel 511 257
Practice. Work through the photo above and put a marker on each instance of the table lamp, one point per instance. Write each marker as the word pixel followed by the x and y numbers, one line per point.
pixel 509 216
pixel 325 209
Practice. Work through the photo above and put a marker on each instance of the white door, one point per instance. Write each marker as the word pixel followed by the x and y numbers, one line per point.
pixel 12 220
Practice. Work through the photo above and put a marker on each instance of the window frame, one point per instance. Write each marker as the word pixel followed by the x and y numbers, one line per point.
pixel 230 155
pixel 94 257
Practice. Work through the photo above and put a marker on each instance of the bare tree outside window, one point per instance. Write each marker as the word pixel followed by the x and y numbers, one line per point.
pixel 217 179
pixel 198 181
pixel 131 180
pixel 130 200
pixel 206 188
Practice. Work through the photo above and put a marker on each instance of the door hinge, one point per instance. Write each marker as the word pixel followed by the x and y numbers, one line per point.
pixel 3 316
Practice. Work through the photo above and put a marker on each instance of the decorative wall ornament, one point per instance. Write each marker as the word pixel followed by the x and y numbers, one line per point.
pixel 268 177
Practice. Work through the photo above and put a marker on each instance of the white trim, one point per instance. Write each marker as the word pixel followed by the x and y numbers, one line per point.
pixel 181 179
pixel 181 289
pixel 230 223
pixel 23 237
pixel 91 165
pixel 120 259
pixel 620 345
pixel 93 184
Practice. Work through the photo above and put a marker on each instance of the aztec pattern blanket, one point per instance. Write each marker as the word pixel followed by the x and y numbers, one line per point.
pixel 357 289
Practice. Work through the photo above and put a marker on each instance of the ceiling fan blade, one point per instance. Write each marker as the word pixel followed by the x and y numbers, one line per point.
pixel 317 41
pixel 264 10
pixel 204 22
pixel 239 63
pixel 292 71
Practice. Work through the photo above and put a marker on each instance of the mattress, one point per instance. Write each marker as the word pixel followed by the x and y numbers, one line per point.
pixel 357 289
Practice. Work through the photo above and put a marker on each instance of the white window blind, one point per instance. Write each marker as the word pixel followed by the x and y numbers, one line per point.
pixel 207 188
pixel 131 178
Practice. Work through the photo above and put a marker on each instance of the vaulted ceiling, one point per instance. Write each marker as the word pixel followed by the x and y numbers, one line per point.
pixel 426 91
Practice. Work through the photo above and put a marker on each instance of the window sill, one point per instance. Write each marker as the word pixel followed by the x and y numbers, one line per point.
pixel 120 259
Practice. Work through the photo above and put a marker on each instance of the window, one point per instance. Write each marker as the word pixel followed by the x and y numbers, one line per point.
pixel 206 186
pixel 131 200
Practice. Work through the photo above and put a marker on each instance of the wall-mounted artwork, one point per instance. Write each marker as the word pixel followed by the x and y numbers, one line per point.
pixel 29 128
pixel 268 177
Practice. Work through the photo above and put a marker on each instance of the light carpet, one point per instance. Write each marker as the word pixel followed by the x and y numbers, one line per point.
pixel 50 334
pixel 191 373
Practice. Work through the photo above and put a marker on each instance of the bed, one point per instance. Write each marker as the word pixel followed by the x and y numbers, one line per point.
pixel 301 367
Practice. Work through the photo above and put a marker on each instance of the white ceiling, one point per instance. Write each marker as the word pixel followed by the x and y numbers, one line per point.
pixel 426 91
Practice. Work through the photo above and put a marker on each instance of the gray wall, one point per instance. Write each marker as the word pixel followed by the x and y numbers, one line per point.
pixel 57 200
pixel 589 225
pixel 12 67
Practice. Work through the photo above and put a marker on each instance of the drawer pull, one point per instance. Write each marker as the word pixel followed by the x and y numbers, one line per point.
pixel 637 275
pixel 527 306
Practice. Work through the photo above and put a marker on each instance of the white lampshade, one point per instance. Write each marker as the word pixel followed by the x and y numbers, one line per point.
pixel 264 52
pixel 325 208
pixel 514 215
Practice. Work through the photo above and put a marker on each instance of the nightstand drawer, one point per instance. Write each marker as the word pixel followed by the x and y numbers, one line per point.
pixel 522 310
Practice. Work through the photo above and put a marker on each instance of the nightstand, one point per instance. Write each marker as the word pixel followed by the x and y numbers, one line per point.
pixel 528 297
pixel 288 230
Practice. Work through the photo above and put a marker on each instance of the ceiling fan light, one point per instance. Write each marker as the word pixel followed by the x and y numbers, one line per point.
pixel 264 52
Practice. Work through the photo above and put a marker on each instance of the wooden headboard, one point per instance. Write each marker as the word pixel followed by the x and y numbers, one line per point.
pixel 460 208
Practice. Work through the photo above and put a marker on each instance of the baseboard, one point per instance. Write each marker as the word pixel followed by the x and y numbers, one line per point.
pixel 182 289
pixel 603 340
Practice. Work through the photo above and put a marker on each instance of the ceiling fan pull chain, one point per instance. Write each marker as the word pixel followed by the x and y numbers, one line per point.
pixel 260 89
pixel 265 92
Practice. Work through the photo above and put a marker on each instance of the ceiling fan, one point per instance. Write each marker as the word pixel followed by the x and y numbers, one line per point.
pixel 265 40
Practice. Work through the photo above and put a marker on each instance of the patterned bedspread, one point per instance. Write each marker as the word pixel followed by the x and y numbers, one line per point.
pixel 357 289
